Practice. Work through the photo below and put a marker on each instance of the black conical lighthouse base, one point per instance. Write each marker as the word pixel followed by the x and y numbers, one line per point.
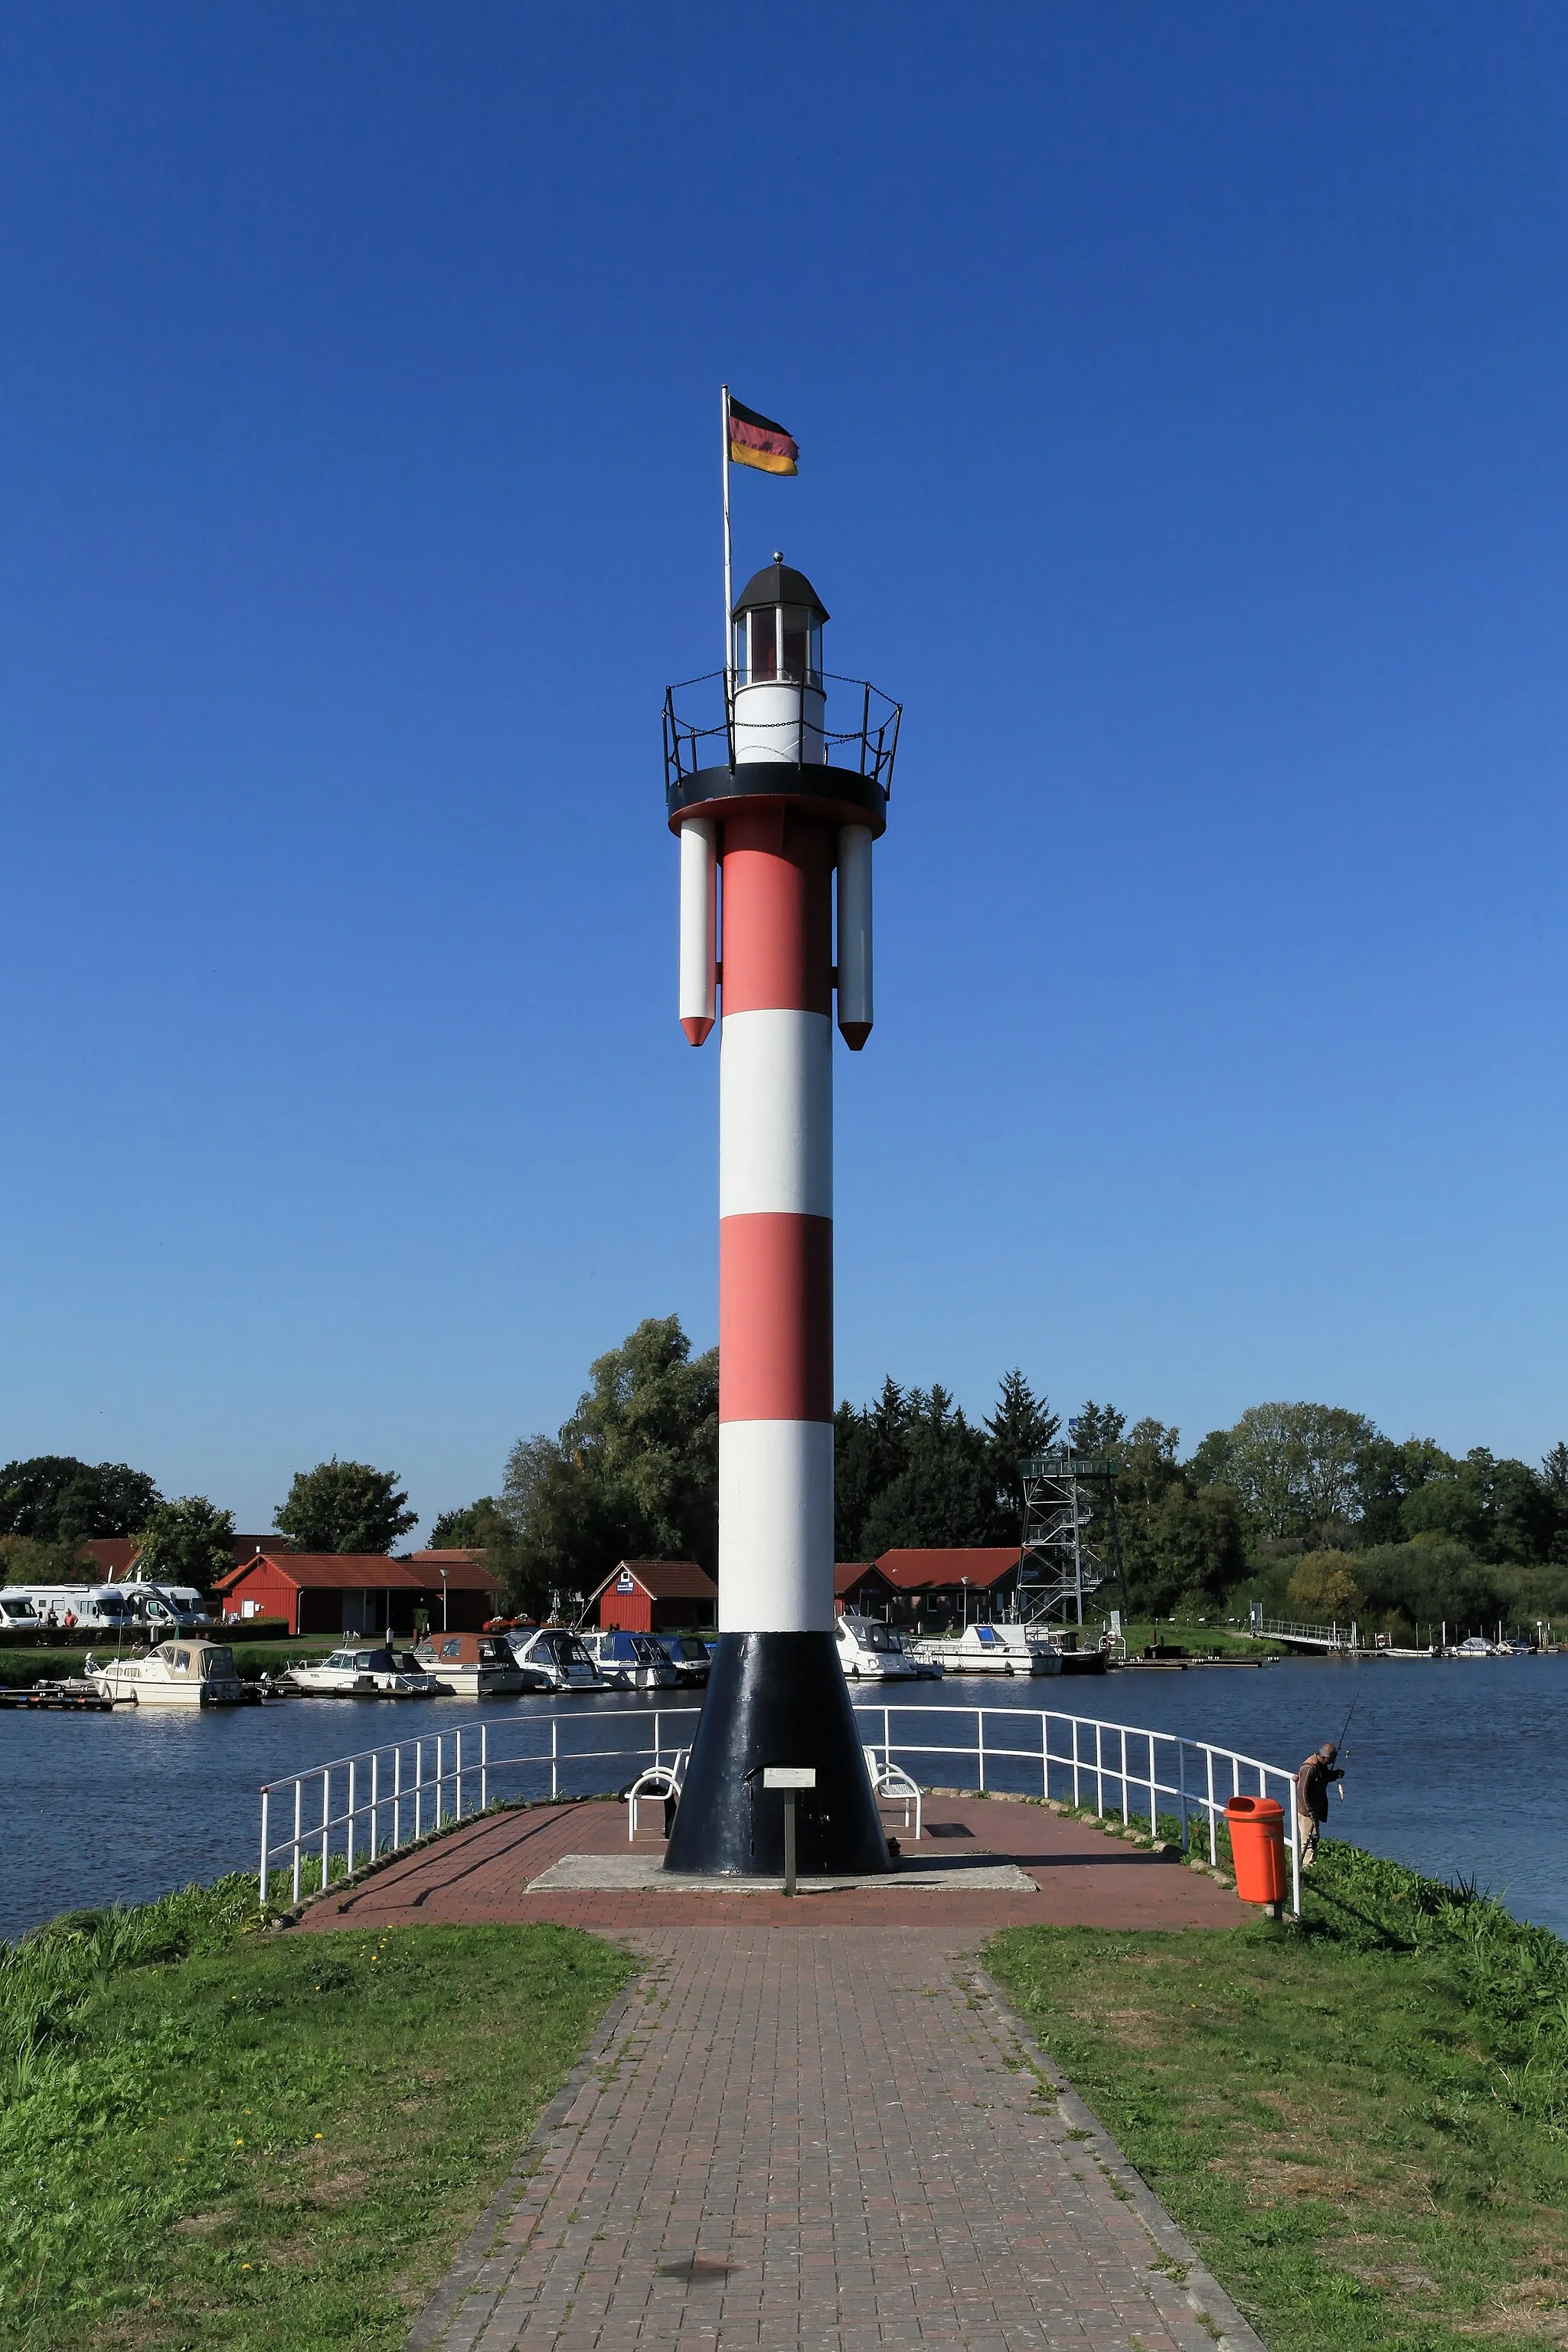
pixel 776 1698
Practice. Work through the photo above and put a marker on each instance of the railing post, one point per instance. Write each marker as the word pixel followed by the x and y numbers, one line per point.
pixel 1213 1825
pixel 555 1758
pixel 299 1819
pixel 1044 1754
pixel 484 1768
pixel 1182 1779
pixel 266 1796
pixel 354 1788
pixel 374 1802
pixel 326 1821
pixel 398 1796
pixel 1077 1726
pixel 1294 1819
pixel 419 1787
pixel 1153 1811
pixel 980 1725
pixel 1100 1768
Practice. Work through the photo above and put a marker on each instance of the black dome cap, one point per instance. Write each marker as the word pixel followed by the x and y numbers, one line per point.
pixel 778 584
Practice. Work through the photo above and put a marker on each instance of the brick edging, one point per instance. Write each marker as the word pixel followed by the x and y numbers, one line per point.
pixel 464 2266
pixel 1231 2330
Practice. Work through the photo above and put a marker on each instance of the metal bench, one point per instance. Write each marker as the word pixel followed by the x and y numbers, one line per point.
pixel 658 1781
pixel 891 1785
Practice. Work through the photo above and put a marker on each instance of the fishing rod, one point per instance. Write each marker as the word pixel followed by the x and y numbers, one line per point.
pixel 1339 1743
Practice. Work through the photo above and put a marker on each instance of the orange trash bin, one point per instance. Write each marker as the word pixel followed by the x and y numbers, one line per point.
pixel 1256 1826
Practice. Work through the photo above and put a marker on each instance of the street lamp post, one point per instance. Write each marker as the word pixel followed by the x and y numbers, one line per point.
pixel 443 1600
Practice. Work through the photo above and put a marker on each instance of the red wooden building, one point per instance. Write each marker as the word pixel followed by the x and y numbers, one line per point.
pixel 360 1593
pixel 939 1587
pixel 859 1586
pixel 656 1596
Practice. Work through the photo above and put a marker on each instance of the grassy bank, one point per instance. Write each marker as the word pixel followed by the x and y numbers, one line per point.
pixel 1197 1641
pixel 1363 2122
pixel 211 2135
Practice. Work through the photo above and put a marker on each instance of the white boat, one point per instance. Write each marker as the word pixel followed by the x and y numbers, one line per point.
pixel 872 1653
pixel 631 1661
pixel 176 1673
pixel 471 1665
pixel 369 1671
pixel 553 1658
pixel 1476 1647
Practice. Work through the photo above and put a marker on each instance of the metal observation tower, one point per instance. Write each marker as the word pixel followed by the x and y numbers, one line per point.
pixel 1071 1542
pixel 776 778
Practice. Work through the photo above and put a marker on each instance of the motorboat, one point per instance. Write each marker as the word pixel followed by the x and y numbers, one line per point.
pixel 981 1650
pixel 872 1651
pixel 1476 1647
pixel 553 1658
pixel 176 1673
pixel 690 1657
pixel 371 1671
pixel 631 1661
pixel 470 1665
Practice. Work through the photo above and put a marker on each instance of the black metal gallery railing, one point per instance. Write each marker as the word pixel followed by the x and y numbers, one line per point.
pixel 702 733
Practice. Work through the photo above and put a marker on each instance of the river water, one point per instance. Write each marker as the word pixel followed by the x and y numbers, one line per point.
pixel 1459 1769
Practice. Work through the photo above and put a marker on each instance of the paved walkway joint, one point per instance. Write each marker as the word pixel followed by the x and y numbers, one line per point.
pixel 799 2138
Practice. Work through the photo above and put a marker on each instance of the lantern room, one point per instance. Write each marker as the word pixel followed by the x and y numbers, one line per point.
pixel 776 676
pixel 778 629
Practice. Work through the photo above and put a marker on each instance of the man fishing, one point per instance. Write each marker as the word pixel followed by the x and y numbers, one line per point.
pixel 1312 1797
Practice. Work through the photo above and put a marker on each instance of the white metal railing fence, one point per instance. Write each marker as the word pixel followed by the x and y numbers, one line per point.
pixel 357 1808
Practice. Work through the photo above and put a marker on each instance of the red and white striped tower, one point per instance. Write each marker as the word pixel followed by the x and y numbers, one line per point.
pixel 775 820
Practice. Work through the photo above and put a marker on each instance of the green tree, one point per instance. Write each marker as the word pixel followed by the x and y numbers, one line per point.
pixel 1295 1466
pixel 944 1493
pixel 57 1499
pixel 190 1541
pixel 344 1506
pixel 484 1529
pixel 1098 1429
pixel 24 1561
pixel 634 1473
pixel 1022 1424
pixel 1325 1587
pixel 1182 1545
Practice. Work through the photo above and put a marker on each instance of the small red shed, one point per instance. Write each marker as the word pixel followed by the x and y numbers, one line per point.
pixel 656 1596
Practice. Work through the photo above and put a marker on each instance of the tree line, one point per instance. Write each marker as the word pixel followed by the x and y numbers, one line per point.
pixel 54 1504
pixel 1307 1508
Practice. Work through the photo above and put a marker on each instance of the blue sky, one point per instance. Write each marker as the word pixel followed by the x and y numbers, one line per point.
pixel 1180 397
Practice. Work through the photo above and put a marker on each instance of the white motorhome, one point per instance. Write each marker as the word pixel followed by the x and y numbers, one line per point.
pixel 94 1608
pixel 177 1608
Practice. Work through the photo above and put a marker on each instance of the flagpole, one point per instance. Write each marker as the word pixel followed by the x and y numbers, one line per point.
pixel 724 399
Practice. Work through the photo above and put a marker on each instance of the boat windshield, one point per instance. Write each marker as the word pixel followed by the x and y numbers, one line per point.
pixel 646 1650
pixel 217 1661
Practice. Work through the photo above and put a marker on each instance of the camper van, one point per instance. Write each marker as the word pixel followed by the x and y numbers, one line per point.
pixel 95 1608
pixel 172 1607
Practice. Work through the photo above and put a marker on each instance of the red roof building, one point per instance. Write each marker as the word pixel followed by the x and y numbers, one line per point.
pixel 859 1586
pixel 939 1584
pixel 359 1592
pixel 656 1596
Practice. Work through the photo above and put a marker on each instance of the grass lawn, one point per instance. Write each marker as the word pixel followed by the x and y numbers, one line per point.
pixel 210 2135
pixel 1363 2122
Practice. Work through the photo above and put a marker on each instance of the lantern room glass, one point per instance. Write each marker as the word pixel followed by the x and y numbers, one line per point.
pixel 780 643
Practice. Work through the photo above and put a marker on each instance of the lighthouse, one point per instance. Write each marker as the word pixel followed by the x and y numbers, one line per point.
pixel 777 798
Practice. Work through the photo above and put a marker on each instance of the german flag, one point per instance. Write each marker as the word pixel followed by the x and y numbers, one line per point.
pixel 757 441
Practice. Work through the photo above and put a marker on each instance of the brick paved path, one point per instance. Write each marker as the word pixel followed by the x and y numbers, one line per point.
pixel 482 1873
pixel 799 2137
